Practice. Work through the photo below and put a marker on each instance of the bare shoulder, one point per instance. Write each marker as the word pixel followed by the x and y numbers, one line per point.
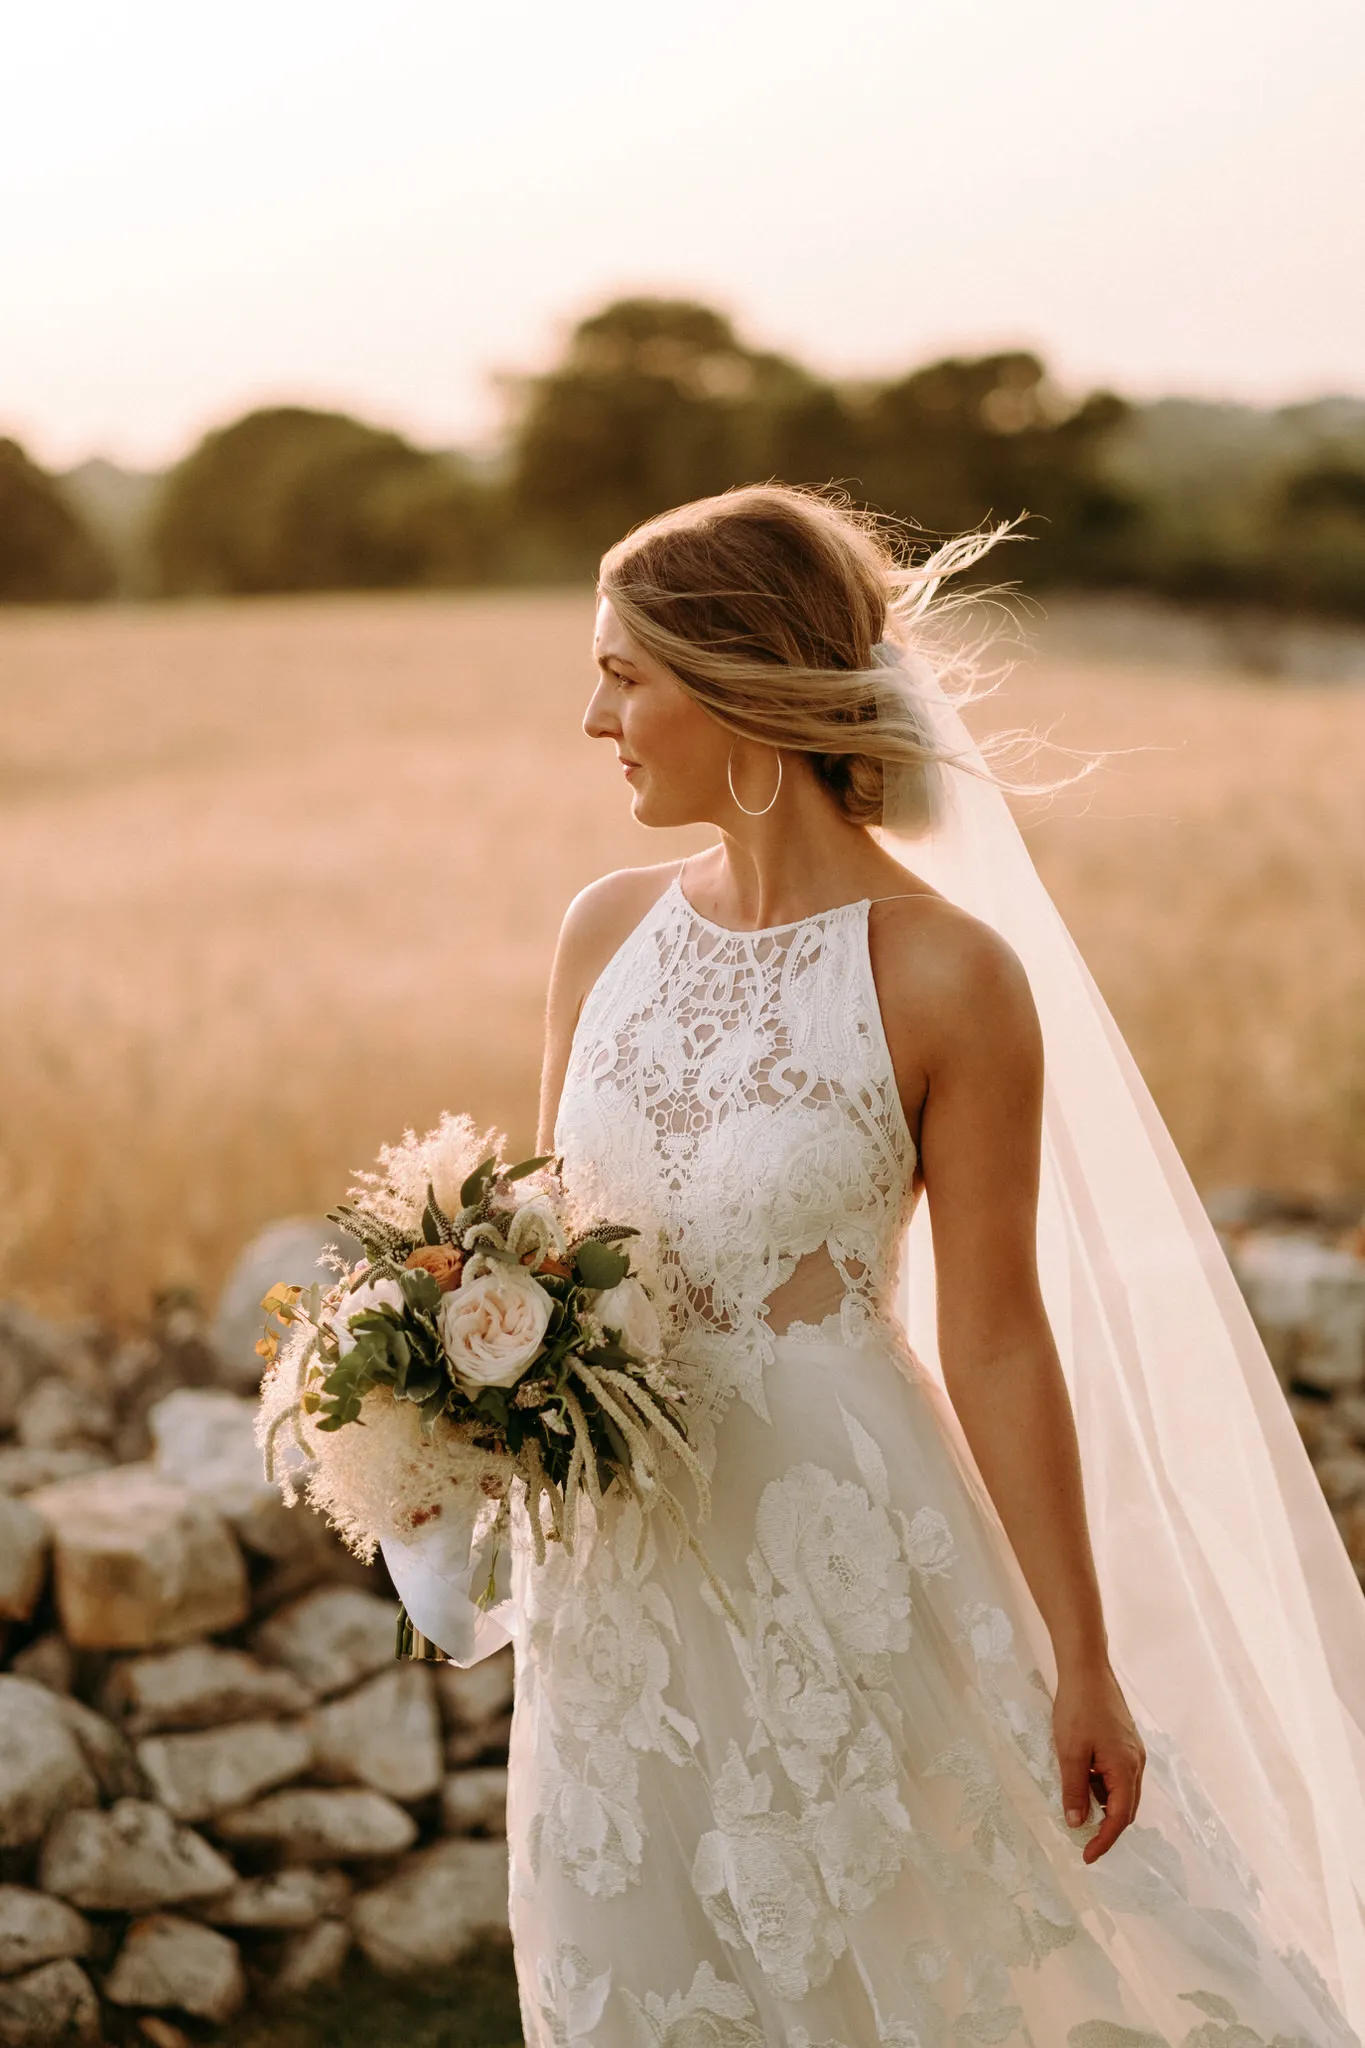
pixel 949 984
pixel 601 916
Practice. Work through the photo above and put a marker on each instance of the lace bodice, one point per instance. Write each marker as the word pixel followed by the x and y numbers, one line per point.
pixel 732 1093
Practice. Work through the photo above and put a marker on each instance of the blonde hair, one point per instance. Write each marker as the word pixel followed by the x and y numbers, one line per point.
pixel 766 603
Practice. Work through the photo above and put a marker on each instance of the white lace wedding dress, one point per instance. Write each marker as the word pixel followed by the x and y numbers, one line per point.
pixel 838 1826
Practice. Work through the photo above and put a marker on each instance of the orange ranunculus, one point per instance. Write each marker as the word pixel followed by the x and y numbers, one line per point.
pixel 443 1261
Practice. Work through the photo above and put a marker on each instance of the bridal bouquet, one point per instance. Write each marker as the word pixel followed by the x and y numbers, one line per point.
pixel 487 1337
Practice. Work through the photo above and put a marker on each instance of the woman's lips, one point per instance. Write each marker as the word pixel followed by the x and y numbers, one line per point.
pixel 629 768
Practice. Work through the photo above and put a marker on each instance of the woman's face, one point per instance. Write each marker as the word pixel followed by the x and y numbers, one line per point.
pixel 672 752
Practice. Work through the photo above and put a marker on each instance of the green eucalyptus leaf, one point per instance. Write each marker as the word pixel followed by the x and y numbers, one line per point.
pixel 474 1188
pixel 525 1166
pixel 599 1267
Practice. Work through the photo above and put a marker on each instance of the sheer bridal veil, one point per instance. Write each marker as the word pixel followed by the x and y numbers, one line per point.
pixel 1237 1626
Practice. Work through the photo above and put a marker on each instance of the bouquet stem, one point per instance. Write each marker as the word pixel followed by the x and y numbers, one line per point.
pixel 412 1645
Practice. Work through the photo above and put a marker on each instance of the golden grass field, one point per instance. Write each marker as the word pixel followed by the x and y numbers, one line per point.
pixel 279 878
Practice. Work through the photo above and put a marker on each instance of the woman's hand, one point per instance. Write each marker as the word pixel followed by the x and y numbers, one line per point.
pixel 1099 1749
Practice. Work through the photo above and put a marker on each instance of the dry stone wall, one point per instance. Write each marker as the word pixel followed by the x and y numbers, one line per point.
pixel 216 1783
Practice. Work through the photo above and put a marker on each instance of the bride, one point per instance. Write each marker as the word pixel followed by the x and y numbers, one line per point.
pixel 1015 1708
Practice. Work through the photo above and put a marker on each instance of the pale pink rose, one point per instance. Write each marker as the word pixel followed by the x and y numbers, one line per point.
pixel 493 1326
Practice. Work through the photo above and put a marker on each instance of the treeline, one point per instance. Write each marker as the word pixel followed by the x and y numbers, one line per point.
pixel 655 401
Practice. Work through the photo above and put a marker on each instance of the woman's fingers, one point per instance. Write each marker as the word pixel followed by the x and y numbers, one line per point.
pixel 1076 1767
pixel 1122 1783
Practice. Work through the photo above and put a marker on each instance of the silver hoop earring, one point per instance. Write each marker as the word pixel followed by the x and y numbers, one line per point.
pixel 730 778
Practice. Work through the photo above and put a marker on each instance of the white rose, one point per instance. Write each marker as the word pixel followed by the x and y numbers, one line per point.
pixel 627 1310
pixel 381 1293
pixel 493 1325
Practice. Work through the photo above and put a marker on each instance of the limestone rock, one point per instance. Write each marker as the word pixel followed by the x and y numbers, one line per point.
pixel 57 1416
pixel 23 1559
pixel 199 1686
pixel 1333 1350
pixel 206 1437
pixel 314 1956
pixel 442 1902
pixel 31 1348
pixel 161 2033
pixel 470 1697
pixel 289 1250
pixel 140 1560
pixel 1308 1301
pixel 197 1775
pixel 47 1660
pixel 318 1826
pixel 36 1929
pixel 23 1471
pixel 475 1802
pixel 297 1896
pixel 54 2003
pixel 131 1858
pixel 331 1638
pixel 386 1734
pixel 486 1744
pixel 1343 1477
pixel 104 1747
pixel 42 1771
pixel 167 1961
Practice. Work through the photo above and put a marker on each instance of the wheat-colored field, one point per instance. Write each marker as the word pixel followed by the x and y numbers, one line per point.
pixel 277 879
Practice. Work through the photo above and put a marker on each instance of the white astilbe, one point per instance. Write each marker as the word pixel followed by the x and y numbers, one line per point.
pixel 443 1159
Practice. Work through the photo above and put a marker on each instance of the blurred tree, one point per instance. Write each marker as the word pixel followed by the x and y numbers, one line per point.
pixel 292 499
pixel 1316 552
pixel 47 553
pixel 657 401
pixel 966 439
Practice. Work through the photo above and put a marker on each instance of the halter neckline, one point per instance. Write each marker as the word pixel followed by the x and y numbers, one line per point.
pixel 770 931
pixel 758 931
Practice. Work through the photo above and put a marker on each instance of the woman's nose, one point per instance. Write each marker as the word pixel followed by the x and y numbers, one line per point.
pixel 598 722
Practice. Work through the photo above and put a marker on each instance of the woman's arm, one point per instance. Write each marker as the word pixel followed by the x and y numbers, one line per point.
pixel 981 1057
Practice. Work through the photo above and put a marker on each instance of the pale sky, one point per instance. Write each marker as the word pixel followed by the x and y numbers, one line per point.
pixel 378 205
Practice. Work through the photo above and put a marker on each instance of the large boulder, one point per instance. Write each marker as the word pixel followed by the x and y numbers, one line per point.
pixel 310 1825
pixel 290 1250
pixel 37 1929
pixel 23 1559
pixel 140 1560
pixel 444 1901
pixel 199 1685
pixel 43 1772
pixel 386 1733
pixel 54 2003
pixel 297 1896
pixel 196 1776
pixel 331 1638
pixel 166 1961
pixel 130 1859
